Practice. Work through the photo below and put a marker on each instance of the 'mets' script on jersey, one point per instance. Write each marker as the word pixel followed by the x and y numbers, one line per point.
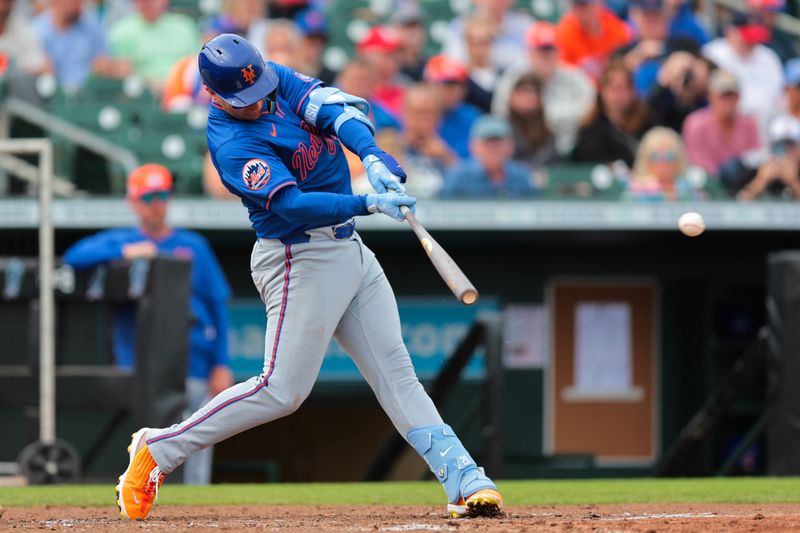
pixel 257 159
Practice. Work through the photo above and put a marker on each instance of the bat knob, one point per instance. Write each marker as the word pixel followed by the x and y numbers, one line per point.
pixel 469 297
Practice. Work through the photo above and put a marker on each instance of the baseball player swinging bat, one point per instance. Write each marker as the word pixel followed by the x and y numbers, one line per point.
pixel 462 288
pixel 276 138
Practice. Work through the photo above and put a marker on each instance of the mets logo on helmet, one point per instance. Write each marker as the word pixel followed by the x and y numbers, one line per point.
pixel 249 74
pixel 255 174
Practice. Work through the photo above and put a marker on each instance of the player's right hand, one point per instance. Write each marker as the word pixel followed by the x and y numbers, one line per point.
pixel 139 250
pixel 389 204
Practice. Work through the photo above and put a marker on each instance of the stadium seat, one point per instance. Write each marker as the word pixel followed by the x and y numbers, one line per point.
pixel 574 182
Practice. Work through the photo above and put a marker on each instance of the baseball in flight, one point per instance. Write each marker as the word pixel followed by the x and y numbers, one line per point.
pixel 691 224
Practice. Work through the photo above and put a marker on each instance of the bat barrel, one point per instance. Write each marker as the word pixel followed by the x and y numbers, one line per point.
pixel 450 272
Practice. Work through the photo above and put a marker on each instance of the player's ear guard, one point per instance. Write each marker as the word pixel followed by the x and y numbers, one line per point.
pixel 272 101
pixel 232 67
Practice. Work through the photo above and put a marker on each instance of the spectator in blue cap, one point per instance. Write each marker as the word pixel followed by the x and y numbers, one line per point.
pixel 793 87
pixel 489 172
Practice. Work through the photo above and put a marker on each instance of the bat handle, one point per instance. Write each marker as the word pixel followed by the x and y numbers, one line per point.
pixel 405 210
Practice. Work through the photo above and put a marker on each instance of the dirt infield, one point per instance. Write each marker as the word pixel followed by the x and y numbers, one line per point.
pixel 606 518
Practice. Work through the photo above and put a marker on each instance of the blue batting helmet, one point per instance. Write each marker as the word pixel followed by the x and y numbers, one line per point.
pixel 232 67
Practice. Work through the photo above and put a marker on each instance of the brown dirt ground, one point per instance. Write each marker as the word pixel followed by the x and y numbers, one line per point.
pixel 644 518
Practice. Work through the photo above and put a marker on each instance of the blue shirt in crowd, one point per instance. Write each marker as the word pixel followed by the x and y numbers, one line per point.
pixel 468 180
pixel 208 341
pixel 73 50
pixel 456 125
pixel 381 118
pixel 684 25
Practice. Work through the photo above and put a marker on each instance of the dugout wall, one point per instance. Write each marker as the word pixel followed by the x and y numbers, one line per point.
pixel 712 292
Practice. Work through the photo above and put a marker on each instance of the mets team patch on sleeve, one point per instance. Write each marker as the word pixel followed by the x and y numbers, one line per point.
pixel 255 174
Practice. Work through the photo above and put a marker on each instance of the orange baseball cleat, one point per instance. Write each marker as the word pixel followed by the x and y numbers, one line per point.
pixel 485 502
pixel 138 485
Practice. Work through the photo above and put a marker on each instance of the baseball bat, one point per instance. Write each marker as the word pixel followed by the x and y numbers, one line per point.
pixel 462 288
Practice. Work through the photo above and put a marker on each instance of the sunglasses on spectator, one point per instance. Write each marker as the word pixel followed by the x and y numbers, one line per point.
pixel 667 156
pixel 149 198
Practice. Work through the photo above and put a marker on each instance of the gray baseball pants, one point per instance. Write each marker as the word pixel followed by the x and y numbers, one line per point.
pixel 313 291
pixel 197 468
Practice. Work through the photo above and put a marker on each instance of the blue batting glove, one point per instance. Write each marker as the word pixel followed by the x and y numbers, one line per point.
pixel 389 204
pixel 384 173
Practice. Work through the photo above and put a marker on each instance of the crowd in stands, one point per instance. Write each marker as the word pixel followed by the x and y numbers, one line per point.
pixel 648 88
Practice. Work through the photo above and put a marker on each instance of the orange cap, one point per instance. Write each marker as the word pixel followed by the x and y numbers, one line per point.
pixel 149 178
pixel 441 68
pixel 541 34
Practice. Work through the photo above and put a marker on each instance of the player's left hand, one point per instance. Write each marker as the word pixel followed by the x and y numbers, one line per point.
pixel 389 204
pixel 384 173
pixel 220 379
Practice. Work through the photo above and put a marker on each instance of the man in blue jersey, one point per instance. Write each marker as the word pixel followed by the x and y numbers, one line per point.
pixel 148 191
pixel 275 137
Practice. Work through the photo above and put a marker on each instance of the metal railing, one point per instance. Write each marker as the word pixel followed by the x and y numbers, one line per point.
pixel 47 354
pixel 783 21
pixel 16 108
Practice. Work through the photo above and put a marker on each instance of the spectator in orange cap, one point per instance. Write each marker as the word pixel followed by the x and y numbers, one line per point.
pixel 782 43
pixel 449 76
pixel 567 92
pixel 149 189
pixel 380 48
pixel 587 35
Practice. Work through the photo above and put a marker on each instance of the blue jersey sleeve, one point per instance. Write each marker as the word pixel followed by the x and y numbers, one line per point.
pixel 251 170
pixel 294 87
pixel 318 208
pixel 95 249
